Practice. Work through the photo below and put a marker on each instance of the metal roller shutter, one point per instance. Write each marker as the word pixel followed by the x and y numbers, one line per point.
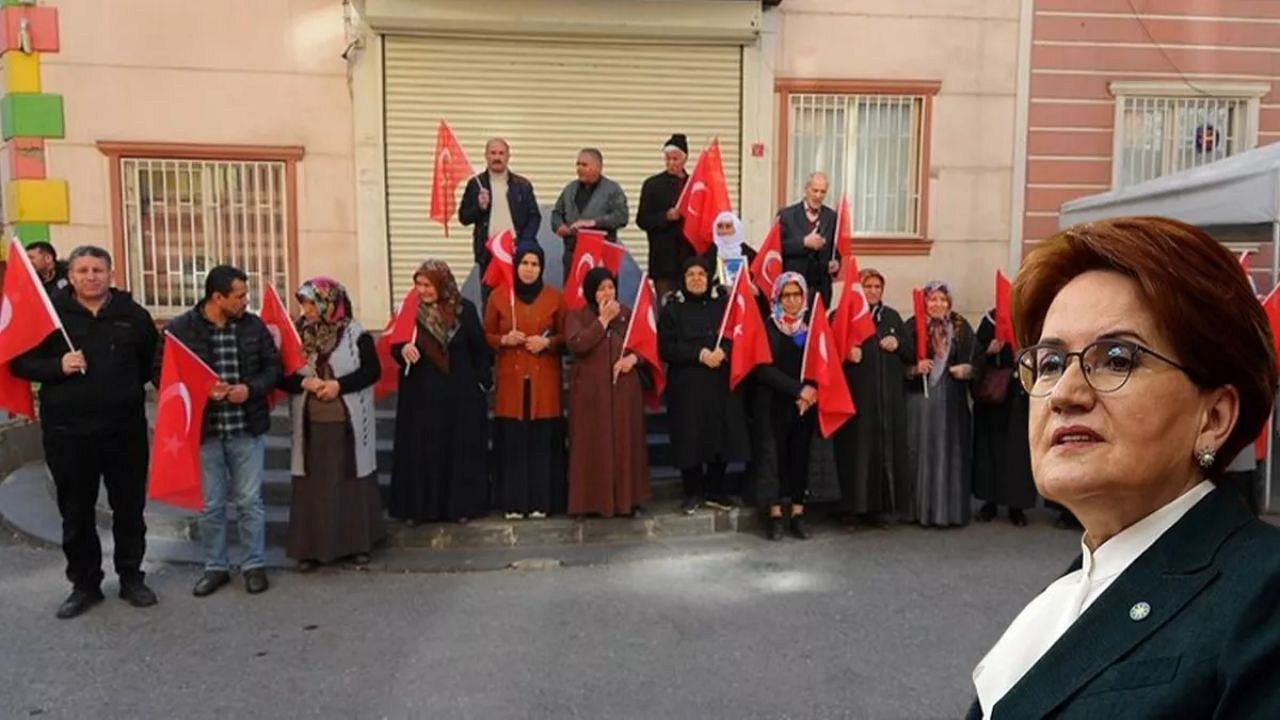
pixel 548 99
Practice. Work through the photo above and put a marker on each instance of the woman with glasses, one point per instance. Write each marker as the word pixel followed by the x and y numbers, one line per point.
pixel 791 462
pixel 939 425
pixel 1150 365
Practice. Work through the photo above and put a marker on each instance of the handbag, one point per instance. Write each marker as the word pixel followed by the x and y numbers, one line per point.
pixel 993 387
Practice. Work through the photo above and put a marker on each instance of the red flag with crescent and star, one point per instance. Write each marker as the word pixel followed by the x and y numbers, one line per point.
pixel 642 339
pixel 26 319
pixel 185 383
pixel 451 167
pixel 1004 311
pixel 613 256
pixel 401 329
pixel 922 323
pixel 501 271
pixel 824 367
pixel 767 266
pixel 746 331
pixel 275 316
pixel 852 324
pixel 588 253
pixel 705 195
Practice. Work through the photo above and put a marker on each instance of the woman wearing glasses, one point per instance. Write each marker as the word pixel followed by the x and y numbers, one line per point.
pixel 939 424
pixel 1149 365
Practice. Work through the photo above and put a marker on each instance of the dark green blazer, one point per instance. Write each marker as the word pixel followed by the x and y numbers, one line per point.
pixel 1209 646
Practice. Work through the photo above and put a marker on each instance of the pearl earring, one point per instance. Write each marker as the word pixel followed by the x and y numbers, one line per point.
pixel 1206 458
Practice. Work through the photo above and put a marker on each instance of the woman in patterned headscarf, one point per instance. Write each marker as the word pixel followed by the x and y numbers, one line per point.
pixel 939 423
pixel 336 511
pixel 440 468
pixel 792 464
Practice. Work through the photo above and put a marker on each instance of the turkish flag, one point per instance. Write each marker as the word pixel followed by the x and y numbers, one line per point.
pixel 642 339
pixel 922 324
pixel 823 365
pixel 853 322
pixel 588 253
pixel 746 331
pixel 402 328
pixel 844 229
pixel 185 382
pixel 705 195
pixel 501 271
pixel 450 168
pixel 26 315
pixel 15 394
pixel 613 255
pixel 275 316
pixel 1004 311
pixel 767 266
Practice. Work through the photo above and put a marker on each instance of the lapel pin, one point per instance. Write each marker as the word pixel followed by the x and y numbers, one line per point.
pixel 1139 612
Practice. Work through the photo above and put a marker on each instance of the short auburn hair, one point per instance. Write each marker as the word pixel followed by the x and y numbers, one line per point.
pixel 1194 288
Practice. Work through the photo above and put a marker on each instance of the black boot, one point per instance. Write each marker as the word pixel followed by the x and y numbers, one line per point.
pixel 987 513
pixel 775 529
pixel 79 601
pixel 800 528
pixel 1017 517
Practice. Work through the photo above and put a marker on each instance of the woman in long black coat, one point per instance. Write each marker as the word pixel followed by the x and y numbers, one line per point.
pixel 1001 453
pixel 440 471
pixel 871 447
pixel 708 422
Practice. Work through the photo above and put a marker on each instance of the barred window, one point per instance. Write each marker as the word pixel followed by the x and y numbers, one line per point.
pixel 1162 135
pixel 869 146
pixel 182 217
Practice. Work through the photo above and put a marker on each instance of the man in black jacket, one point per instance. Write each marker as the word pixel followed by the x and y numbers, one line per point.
pixel 239 348
pixel 659 218
pixel 808 231
pixel 52 271
pixel 94 425
pixel 497 200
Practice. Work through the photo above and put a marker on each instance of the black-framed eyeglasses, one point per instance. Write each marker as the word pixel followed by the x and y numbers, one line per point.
pixel 1107 365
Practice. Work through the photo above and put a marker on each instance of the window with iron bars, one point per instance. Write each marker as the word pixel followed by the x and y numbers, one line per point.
pixel 183 217
pixel 1162 135
pixel 869 147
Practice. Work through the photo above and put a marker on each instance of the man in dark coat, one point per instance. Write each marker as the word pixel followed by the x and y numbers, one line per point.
pixel 52 271
pixel 238 347
pixel 808 237
pixel 496 200
pixel 871 448
pixel 659 218
pixel 94 425
pixel 592 202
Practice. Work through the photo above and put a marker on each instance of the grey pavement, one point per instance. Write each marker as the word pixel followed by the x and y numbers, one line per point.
pixel 870 624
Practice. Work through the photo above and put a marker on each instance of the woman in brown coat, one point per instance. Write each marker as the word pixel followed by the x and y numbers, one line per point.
pixel 608 457
pixel 527 335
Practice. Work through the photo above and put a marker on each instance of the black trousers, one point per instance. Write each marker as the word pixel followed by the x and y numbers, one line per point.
pixel 705 481
pixel 78 463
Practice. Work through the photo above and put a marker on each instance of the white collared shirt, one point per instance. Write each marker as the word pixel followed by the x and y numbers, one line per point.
pixel 1045 619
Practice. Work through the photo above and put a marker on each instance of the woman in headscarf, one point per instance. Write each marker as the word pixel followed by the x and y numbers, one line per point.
pixel 791 464
pixel 730 254
pixel 528 429
pixel 440 469
pixel 708 422
pixel 336 511
pixel 1001 451
pixel 871 447
pixel 608 454
pixel 939 424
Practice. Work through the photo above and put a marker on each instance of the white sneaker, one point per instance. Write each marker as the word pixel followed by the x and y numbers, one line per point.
pixel 513 516
pixel 535 515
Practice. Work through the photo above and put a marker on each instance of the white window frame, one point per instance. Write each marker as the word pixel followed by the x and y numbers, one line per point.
pixel 1250 93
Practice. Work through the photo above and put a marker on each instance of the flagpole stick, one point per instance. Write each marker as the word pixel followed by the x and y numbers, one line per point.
pixel 733 293
pixel 413 341
pixel 626 337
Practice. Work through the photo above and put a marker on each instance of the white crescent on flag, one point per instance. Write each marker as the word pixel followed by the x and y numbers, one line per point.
pixel 773 256
pixel 275 333
pixel 822 348
pixel 864 307
pixel 180 391
pixel 742 311
pixel 6 314
pixel 497 248
pixel 696 188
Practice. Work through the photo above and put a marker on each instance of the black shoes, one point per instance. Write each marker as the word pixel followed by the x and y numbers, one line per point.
pixel 1017 517
pixel 800 528
pixel 136 593
pixel 689 505
pixel 988 513
pixel 79 601
pixel 209 583
pixel 255 581
pixel 775 529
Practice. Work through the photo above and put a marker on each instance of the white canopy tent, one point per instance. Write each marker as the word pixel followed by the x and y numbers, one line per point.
pixel 1236 199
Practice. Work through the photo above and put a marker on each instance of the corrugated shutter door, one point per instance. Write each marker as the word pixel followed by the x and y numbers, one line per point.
pixel 549 99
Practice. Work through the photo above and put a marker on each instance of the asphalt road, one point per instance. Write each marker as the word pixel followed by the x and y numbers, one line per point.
pixel 872 624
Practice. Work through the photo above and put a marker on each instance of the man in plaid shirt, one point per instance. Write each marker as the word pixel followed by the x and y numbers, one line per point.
pixel 237 346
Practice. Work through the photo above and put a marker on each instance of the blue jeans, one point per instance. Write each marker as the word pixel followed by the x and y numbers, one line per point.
pixel 233 466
